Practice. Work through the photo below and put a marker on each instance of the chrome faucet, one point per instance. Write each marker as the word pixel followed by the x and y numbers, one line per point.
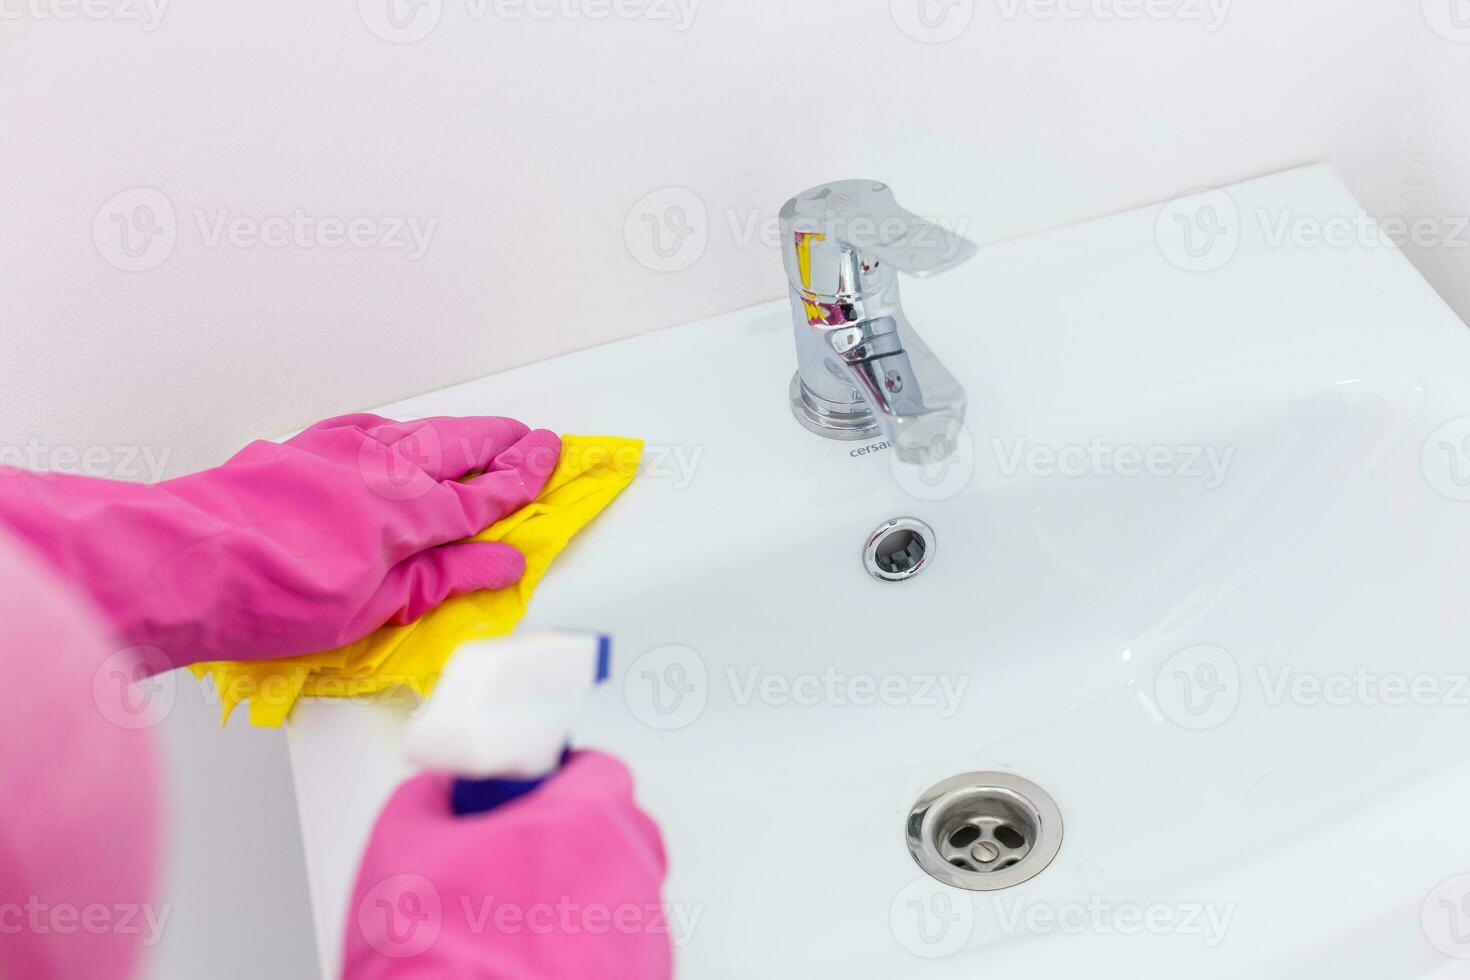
pixel 861 369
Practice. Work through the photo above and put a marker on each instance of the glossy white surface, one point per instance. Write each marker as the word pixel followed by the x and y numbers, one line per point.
pixel 1082 623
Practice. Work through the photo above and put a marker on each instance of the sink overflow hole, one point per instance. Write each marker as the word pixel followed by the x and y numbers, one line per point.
pixel 900 549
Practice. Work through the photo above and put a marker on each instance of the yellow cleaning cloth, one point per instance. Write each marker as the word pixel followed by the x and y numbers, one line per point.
pixel 590 472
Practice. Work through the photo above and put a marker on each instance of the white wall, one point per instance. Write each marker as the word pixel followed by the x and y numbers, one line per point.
pixel 1436 177
pixel 539 149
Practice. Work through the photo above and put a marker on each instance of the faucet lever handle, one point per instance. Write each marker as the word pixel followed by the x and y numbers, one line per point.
pixel 863 216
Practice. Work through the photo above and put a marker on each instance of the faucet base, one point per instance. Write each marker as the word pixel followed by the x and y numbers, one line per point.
pixel 817 415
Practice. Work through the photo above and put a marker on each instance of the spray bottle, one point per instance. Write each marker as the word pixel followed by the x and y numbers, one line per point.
pixel 501 712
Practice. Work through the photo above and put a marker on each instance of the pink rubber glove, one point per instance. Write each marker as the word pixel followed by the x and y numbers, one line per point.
pixel 79 829
pixel 560 884
pixel 292 547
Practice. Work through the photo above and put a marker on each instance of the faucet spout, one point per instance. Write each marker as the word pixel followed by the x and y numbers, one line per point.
pixel 915 400
pixel 889 383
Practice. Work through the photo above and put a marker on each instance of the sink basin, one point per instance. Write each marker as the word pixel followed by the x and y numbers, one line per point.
pixel 1198 572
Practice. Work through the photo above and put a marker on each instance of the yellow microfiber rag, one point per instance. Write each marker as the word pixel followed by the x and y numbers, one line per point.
pixel 590 472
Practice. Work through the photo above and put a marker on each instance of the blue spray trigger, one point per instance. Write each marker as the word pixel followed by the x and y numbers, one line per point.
pixel 467 796
pixel 472 796
pixel 604 658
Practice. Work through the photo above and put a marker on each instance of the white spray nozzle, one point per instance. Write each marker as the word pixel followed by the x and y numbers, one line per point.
pixel 504 707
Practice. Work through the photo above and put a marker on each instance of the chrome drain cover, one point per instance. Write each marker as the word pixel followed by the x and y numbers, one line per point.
pixel 899 549
pixel 984 831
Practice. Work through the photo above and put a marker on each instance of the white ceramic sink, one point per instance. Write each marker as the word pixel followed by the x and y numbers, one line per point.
pixel 1123 641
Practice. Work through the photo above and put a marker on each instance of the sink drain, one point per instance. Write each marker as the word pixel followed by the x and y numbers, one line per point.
pixel 984 831
pixel 899 549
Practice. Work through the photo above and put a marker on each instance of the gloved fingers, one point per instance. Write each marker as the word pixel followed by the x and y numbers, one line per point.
pixel 594 780
pixel 592 774
pixel 347 437
pixel 513 480
pixel 517 856
pixel 354 420
pixel 337 430
pixel 411 456
pixel 418 584
pixel 448 447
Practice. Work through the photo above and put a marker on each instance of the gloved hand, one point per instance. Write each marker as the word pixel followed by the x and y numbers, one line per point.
pixel 294 547
pixel 560 884
pixel 79 777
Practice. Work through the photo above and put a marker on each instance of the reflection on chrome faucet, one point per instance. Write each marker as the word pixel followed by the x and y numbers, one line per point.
pixel 861 369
